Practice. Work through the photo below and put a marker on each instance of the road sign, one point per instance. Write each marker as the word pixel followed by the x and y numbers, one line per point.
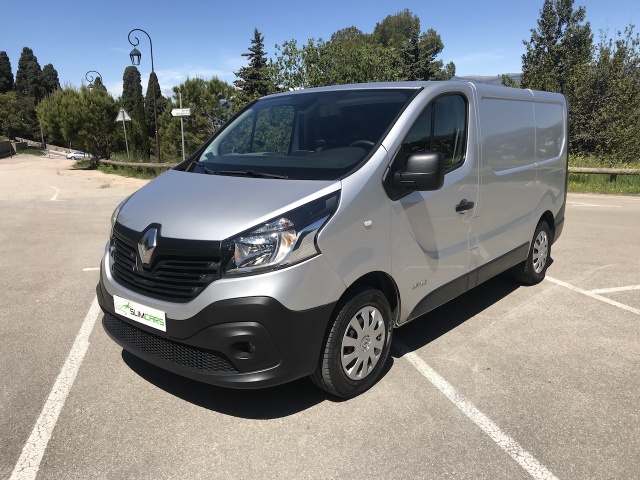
pixel 181 112
pixel 123 116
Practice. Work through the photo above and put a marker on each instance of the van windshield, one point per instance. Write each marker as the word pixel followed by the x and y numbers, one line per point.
pixel 304 135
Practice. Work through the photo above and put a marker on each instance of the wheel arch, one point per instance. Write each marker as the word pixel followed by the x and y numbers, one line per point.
pixel 549 219
pixel 383 282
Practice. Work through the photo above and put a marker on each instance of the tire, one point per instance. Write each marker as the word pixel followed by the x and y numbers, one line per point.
pixel 357 344
pixel 534 268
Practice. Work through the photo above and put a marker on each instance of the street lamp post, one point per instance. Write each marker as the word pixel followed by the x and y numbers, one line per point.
pixel 90 78
pixel 135 56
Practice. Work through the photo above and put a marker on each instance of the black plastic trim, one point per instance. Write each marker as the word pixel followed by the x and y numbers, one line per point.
pixel 559 222
pixel 285 344
pixel 440 296
pixel 502 263
pixel 466 282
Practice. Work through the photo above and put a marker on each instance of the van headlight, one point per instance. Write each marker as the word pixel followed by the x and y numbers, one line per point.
pixel 285 240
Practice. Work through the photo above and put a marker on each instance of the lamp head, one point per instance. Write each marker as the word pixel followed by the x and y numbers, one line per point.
pixel 135 56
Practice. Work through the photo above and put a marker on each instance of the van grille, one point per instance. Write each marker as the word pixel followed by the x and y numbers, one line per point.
pixel 175 275
pixel 186 356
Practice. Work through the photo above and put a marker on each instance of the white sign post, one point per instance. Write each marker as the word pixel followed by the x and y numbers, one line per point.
pixel 122 115
pixel 181 112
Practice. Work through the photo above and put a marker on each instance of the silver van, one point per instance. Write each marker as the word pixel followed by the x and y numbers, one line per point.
pixel 313 223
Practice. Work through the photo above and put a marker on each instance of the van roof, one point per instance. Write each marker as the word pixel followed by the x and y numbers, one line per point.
pixel 481 88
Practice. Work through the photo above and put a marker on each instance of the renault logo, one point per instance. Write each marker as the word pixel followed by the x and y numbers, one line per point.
pixel 147 245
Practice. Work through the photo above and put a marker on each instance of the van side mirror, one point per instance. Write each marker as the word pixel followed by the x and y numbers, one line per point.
pixel 425 171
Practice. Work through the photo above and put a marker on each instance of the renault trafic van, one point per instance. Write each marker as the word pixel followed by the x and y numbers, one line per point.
pixel 314 222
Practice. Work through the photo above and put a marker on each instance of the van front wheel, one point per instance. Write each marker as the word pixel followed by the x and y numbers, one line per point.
pixel 357 345
pixel 532 271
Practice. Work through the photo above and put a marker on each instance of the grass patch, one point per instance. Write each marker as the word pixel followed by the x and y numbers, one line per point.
pixel 132 172
pixel 603 183
pixel 32 151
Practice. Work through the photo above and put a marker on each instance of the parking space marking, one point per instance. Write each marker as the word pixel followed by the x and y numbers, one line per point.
pixel 580 204
pixel 91 269
pixel 55 195
pixel 616 290
pixel 504 441
pixel 593 295
pixel 29 462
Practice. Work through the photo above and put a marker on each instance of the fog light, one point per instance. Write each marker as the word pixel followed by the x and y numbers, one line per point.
pixel 243 349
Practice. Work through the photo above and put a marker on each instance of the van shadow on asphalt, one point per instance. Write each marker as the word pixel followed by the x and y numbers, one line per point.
pixel 261 404
pixel 432 325
pixel 294 397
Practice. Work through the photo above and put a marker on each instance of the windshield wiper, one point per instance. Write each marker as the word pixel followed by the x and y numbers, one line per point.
pixel 203 167
pixel 250 173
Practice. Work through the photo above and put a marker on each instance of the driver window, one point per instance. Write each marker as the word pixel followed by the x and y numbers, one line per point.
pixel 440 128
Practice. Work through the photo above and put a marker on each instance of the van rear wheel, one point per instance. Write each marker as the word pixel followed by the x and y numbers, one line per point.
pixel 357 346
pixel 534 268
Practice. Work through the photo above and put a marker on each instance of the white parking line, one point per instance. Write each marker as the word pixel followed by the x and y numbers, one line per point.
pixel 616 290
pixel 504 441
pixel 579 204
pixel 91 269
pixel 33 451
pixel 55 196
pixel 593 295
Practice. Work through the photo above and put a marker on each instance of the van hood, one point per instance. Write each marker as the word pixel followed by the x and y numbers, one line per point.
pixel 215 207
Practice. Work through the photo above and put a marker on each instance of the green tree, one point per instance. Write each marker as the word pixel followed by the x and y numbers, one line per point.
pixel 6 75
pixel 161 104
pixel 10 121
pixel 82 118
pixel 350 34
pixel 507 81
pixel 255 80
pixel 49 82
pixel 60 115
pixel 395 30
pixel 560 47
pixel 610 92
pixel 417 50
pixel 133 103
pixel 209 101
pixel 343 60
pixel 29 75
pixel 98 85
pixel 294 67
pixel 558 57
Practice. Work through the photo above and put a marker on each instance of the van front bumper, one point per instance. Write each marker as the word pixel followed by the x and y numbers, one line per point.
pixel 250 342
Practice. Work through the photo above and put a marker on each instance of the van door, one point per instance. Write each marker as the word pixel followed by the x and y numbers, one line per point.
pixel 433 232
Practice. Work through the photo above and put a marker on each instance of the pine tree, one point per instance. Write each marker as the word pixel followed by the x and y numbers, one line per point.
pixel 29 75
pixel 49 82
pixel 6 75
pixel 161 104
pixel 560 47
pixel 133 104
pixel 558 58
pixel 255 80
pixel 98 85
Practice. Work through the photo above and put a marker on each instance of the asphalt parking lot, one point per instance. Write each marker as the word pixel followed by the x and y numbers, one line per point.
pixel 505 382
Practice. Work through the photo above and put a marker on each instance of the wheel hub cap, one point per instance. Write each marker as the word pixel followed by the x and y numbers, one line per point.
pixel 540 251
pixel 362 343
pixel 366 342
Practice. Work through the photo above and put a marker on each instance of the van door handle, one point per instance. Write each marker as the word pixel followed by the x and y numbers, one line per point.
pixel 464 205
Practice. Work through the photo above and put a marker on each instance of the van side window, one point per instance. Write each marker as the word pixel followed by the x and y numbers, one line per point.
pixel 442 127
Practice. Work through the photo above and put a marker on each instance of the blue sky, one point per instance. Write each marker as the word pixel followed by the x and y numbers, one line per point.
pixel 206 38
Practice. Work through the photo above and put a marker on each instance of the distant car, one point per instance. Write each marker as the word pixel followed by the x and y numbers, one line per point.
pixel 77 155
